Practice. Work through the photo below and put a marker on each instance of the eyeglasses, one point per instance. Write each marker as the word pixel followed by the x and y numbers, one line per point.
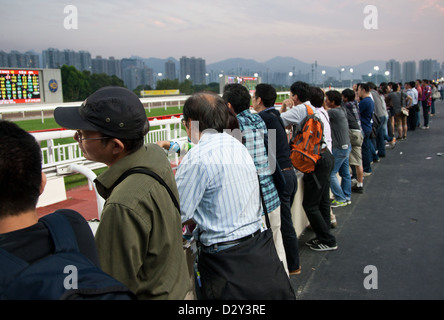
pixel 184 122
pixel 80 139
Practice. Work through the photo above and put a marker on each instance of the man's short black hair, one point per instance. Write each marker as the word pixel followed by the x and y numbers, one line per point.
pixel 316 97
pixel 365 87
pixel 267 94
pixel 334 96
pixel 20 170
pixel 209 109
pixel 302 90
pixel 371 85
pixel 238 96
pixel 349 94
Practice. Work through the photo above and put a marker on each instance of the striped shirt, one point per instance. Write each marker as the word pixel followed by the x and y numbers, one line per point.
pixel 219 189
pixel 253 130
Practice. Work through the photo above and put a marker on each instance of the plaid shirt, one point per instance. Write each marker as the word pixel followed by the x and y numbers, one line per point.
pixel 427 95
pixel 253 130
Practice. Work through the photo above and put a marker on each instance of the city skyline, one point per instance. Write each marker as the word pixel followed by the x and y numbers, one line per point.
pixel 176 60
pixel 135 71
pixel 333 33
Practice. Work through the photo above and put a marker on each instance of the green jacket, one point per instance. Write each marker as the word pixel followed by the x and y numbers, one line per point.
pixel 139 238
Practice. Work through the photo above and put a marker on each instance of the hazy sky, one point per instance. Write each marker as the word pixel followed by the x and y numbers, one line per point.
pixel 331 32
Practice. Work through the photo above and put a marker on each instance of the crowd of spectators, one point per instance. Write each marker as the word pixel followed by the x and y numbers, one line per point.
pixel 235 181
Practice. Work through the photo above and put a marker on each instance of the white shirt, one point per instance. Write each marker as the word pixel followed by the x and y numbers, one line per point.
pixel 414 96
pixel 219 189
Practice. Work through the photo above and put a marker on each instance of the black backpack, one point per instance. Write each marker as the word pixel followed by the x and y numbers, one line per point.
pixel 64 275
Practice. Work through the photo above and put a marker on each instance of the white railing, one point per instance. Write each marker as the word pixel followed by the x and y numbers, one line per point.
pixel 57 158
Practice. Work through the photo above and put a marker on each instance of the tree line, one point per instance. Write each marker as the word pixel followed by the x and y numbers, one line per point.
pixel 78 85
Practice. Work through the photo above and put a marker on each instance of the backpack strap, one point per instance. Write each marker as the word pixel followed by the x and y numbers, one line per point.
pixel 64 240
pixel 152 174
pixel 61 232
pixel 10 267
pixel 309 110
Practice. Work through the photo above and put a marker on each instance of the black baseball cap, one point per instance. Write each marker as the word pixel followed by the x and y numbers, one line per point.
pixel 114 111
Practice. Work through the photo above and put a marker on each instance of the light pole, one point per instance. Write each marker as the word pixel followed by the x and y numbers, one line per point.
pixel 351 80
pixel 377 74
pixel 340 74
pixel 387 74
pixel 323 74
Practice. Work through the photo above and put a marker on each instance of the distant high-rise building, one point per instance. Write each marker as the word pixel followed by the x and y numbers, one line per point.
pixel 99 65
pixel 394 67
pixel 16 59
pixel 54 58
pixel 85 61
pixel 3 59
pixel 170 70
pixel 135 73
pixel 193 69
pixel 114 68
pixel 409 71
pixel 428 69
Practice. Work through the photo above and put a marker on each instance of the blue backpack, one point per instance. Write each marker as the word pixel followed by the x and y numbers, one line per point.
pixel 64 275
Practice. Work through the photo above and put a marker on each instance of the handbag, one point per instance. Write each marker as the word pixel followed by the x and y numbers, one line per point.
pixel 251 270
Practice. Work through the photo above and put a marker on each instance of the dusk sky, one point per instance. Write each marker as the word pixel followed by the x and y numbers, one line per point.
pixel 331 32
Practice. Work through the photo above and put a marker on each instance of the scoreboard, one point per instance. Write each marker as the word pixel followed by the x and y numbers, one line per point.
pixel 248 82
pixel 19 86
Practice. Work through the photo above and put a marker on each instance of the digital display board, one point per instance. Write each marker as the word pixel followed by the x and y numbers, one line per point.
pixel 249 82
pixel 19 86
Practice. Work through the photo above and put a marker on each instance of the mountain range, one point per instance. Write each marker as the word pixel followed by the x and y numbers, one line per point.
pixel 236 66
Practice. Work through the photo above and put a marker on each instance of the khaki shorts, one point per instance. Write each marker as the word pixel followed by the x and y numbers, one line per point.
pixel 356 139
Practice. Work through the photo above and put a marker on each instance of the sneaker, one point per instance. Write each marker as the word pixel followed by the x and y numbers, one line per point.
pixel 425 127
pixel 336 204
pixel 366 174
pixel 357 189
pixel 312 242
pixel 323 247
pixel 349 202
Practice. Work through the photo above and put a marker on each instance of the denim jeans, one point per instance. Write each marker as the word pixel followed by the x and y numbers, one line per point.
pixel 380 137
pixel 418 115
pixel 367 156
pixel 342 191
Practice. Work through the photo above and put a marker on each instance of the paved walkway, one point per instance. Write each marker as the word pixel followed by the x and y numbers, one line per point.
pixel 397 226
pixel 80 199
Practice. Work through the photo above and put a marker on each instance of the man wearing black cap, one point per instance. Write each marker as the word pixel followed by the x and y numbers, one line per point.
pixel 139 238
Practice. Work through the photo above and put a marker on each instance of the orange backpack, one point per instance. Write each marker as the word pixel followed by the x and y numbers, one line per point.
pixel 306 145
